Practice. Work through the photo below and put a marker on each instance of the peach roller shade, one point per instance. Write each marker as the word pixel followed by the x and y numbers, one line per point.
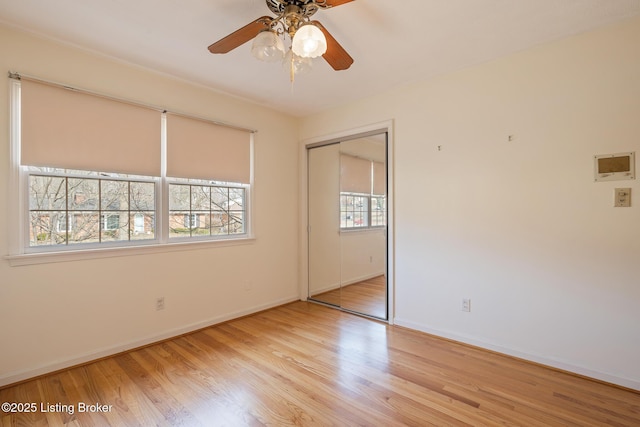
pixel 69 129
pixel 355 174
pixel 204 150
pixel 379 179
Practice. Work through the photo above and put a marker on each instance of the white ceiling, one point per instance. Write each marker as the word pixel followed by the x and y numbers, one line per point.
pixel 392 41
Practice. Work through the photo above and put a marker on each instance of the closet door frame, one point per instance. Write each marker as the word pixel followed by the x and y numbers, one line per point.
pixel 386 126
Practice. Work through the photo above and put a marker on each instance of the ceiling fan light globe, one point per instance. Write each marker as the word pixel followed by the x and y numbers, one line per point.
pixel 299 64
pixel 267 46
pixel 309 42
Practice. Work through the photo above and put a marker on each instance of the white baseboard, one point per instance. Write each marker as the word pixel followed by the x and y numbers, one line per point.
pixel 14 377
pixel 334 286
pixel 361 278
pixel 558 364
pixel 331 287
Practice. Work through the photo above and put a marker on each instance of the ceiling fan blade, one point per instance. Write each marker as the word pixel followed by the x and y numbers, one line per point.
pixel 334 3
pixel 241 36
pixel 335 55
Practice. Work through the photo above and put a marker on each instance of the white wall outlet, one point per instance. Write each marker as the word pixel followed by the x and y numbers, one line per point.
pixel 159 303
pixel 466 304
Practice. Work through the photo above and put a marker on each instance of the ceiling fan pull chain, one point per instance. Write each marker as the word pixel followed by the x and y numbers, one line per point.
pixel 292 71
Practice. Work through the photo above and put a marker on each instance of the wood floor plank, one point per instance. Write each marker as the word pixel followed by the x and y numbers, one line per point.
pixel 267 375
pixel 115 387
pixel 316 385
pixel 305 365
pixel 356 386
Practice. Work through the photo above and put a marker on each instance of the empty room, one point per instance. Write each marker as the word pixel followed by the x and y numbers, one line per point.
pixel 320 212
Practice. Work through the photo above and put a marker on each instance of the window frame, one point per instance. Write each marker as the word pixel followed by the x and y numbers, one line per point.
pixel 369 212
pixel 104 221
pixel 211 184
pixel 22 253
pixel 365 211
pixel 28 172
pixel 104 218
pixel 383 198
pixel 68 226
pixel 191 218
pixel 137 216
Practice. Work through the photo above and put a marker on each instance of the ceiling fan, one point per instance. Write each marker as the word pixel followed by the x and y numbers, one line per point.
pixel 309 39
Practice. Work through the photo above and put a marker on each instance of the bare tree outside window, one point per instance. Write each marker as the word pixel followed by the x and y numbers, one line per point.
pixel 206 210
pixel 68 210
pixel 74 207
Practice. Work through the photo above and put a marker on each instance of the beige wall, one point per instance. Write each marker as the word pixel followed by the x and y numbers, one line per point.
pixel 362 255
pixel 61 313
pixel 551 267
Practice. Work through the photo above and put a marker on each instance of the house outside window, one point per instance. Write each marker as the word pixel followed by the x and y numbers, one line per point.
pixel 87 208
pixel 201 209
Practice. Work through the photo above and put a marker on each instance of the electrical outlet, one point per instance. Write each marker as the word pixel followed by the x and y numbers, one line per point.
pixel 159 303
pixel 466 304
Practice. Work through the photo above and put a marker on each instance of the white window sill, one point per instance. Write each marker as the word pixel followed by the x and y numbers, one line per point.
pixel 97 253
pixel 362 230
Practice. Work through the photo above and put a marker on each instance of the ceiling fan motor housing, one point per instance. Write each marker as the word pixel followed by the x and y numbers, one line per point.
pixel 306 7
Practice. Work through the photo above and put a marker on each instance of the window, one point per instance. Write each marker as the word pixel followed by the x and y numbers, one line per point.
pixel 109 222
pixel 206 210
pixel 86 208
pixel 62 221
pixel 354 211
pixel 91 171
pixel 362 193
pixel 190 220
pixel 362 211
pixel 378 211
pixel 138 223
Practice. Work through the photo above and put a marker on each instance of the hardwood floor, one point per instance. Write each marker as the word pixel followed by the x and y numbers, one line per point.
pixel 306 364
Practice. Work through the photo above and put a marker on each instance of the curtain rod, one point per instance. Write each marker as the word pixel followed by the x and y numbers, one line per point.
pixel 18 76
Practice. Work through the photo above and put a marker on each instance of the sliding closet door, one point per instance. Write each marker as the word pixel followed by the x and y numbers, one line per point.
pixel 363 225
pixel 347 208
pixel 324 226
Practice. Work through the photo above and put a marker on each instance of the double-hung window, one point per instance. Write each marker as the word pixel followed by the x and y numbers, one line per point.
pixel 204 209
pixel 78 207
pixel 362 193
pixel 93 171
pixel 208 176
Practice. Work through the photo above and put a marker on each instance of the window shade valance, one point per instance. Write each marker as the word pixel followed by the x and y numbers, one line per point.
pixel 204 150
pixel 70 129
